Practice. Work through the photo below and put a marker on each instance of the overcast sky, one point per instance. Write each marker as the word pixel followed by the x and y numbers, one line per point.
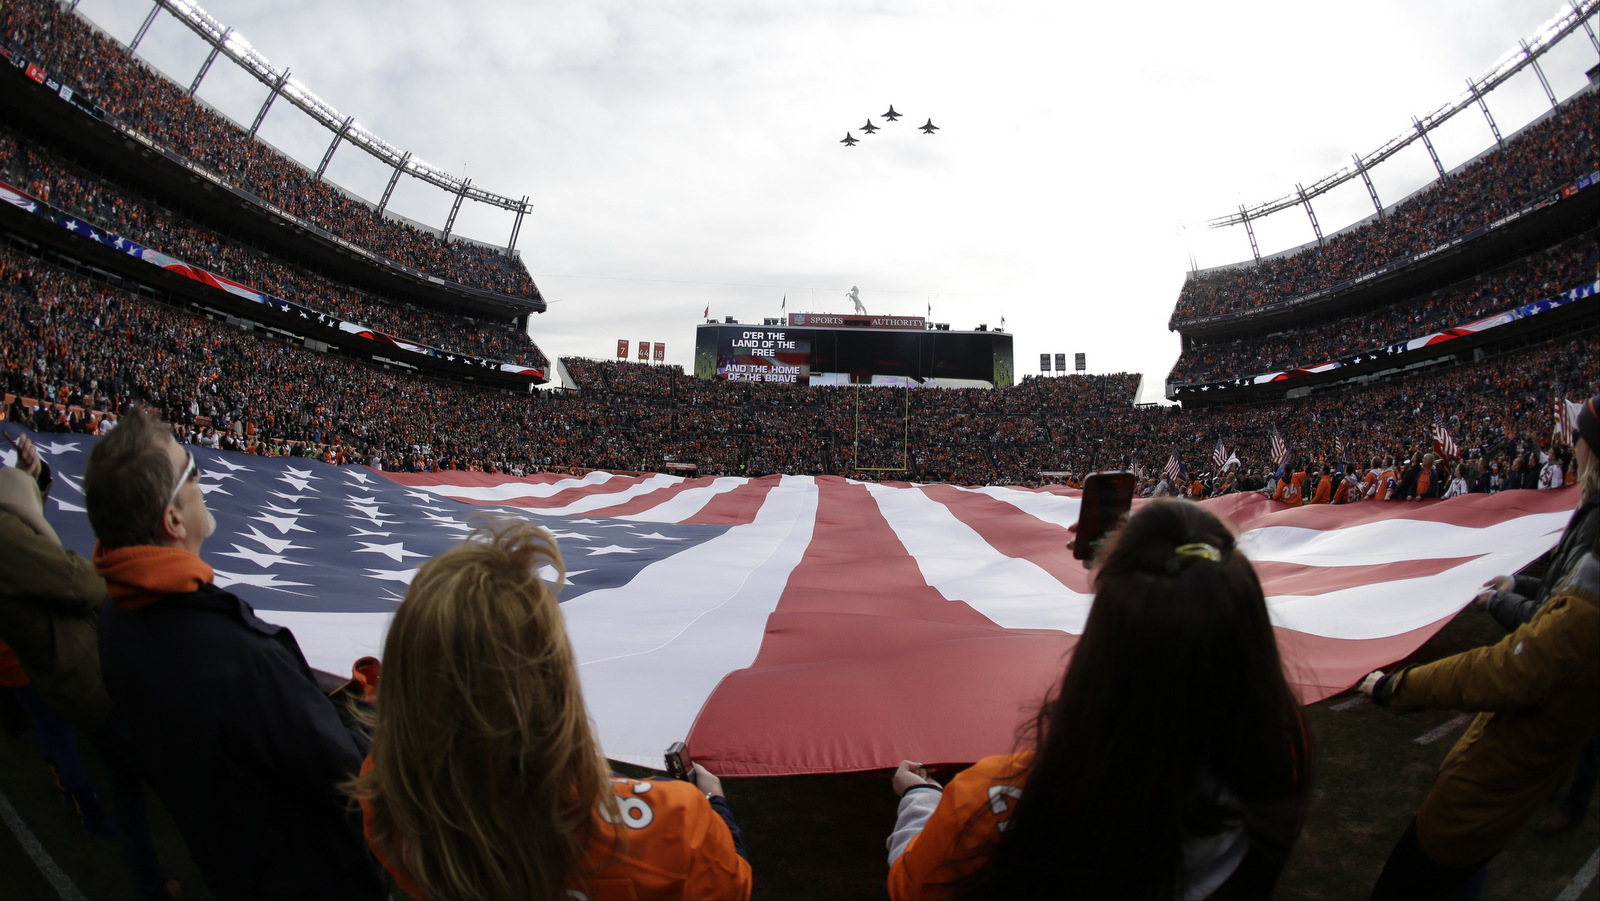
pixel 685 153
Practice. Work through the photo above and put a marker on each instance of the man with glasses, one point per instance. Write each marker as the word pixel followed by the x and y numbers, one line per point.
pixel 219 710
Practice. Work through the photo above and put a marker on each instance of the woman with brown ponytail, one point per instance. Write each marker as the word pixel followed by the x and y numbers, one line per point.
pixel 1171 762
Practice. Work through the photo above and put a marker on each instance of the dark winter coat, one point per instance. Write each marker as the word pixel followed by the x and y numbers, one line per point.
pixel 224 719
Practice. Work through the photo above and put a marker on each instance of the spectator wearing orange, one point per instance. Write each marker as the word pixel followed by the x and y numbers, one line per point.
pixel 484 780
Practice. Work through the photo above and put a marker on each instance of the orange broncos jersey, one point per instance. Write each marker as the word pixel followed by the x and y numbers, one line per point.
pixel 948 848
pixel 677 847
pixel 1324 491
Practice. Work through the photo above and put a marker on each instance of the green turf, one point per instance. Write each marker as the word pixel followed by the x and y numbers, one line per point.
pixel 822 836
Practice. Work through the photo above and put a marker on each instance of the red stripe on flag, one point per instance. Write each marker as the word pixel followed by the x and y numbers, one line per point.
pixel 579 491
pixel 1015 534
pixel 1253 511
pixel 1043 544
pixel 1298 579
pixel 872 645
pixel 736 507
pixel 1342 662
pixel 648 501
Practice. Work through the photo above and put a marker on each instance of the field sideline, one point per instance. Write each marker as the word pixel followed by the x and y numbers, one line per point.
pixel 822 836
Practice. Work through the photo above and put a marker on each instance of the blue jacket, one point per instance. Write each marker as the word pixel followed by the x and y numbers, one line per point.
pixel 221 714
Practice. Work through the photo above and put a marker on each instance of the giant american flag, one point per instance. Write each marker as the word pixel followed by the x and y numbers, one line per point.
pixel 792 624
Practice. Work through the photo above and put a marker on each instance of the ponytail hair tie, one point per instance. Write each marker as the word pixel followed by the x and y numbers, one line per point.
pixel 1185 554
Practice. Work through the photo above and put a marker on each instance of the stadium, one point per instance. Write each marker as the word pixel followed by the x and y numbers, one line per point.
pixel 337 366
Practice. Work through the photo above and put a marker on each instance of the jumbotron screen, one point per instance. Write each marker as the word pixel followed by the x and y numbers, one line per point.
pixel 864 355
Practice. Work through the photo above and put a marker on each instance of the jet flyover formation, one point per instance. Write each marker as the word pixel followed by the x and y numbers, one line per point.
pixel 850 140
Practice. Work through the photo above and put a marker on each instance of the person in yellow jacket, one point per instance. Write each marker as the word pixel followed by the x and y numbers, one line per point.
pixel 1536 689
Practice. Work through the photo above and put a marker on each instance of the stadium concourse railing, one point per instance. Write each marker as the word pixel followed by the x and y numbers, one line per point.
pixel 1566 22
pixel 92 197
pixel 284 308
pixel 72 97
pixel 334 454
pixel 187 433
pixel 1397 353
pixel 1565 192
pixel 1565 124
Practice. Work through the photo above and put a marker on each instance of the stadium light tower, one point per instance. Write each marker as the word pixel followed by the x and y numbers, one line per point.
pixel 1371 191
pixel 228 42
pixel 516 226
pixel 1493 128
pixel 1543 82
pixel 1432 154
pixel 1255 249
pixel 206 66
pixel 139 35
pixel 1592 39
pixel 1315 228
pixel 334 145
pixel 276 88
pixel 388 190
pixel 1525 55
pixel 456 208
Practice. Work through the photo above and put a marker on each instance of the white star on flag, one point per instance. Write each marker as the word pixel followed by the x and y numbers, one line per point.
pixel 394 575
pixel 396 551
pixel 284 524
pixel 258 558
pixel 257 580
pixel 276 545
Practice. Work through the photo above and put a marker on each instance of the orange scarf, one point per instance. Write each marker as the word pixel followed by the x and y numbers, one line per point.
pixel 140 575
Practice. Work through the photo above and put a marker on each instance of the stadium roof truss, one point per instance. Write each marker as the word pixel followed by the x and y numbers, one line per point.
pixel 233 45
pixel 1525 55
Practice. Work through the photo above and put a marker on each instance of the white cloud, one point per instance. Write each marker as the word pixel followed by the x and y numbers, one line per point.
pixel 683 153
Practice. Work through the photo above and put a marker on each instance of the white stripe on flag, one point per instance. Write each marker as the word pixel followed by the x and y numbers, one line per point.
pixel 959 564
pixel 688 502
pixel 1384 609
pixel 1399 540
pixel 651 652
pixel 332 642
pixel 597 503
pixel 516 490
pixel 1054 509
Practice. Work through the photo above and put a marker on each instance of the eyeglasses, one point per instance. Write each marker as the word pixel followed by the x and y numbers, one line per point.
pixel 191 471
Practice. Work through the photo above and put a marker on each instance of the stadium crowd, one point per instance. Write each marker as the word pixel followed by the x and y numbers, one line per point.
pixel 141 218
pixel 83 345
pixel 1539 161
pixel 1538 276
pixel 489 781
pixel 198 682
pixel 141 99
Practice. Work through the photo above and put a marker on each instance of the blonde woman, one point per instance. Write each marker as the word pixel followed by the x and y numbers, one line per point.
pixel 484 779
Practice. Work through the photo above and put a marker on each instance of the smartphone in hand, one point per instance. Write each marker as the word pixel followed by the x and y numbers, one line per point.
pixel 1107 497
pixel 679 766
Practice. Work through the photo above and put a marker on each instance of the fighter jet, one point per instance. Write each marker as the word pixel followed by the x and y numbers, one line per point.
pixel 869 128
pixel 891 115
pixel 929 129
pixel 849 140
